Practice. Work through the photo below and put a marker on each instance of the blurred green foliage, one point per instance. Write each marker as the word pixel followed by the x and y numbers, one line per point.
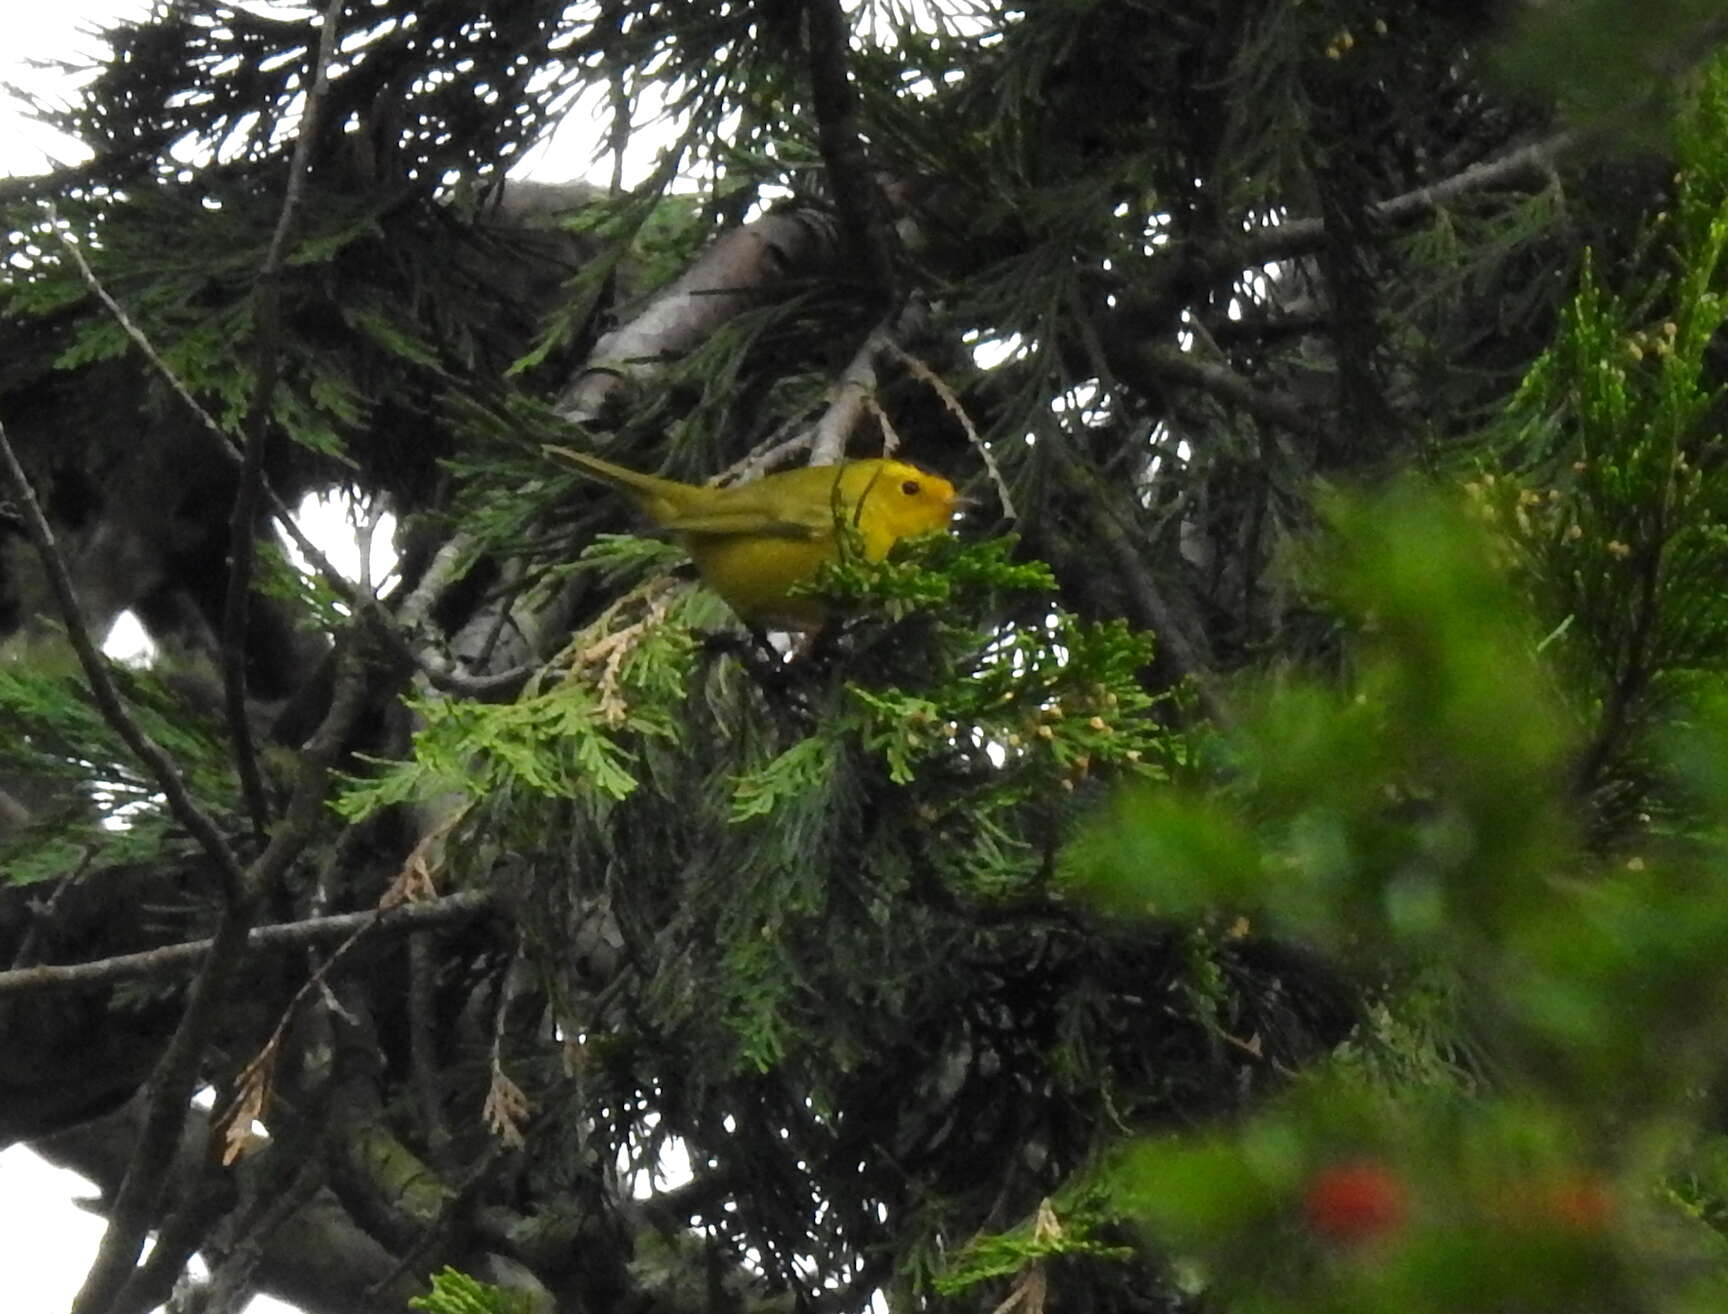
pixel 1510 796
pixel 1419 812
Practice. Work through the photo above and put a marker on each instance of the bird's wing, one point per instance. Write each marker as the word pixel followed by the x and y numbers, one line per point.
pixel 748 520
pixel 755 508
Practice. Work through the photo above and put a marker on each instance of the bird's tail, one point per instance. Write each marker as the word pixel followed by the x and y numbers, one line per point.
pixel 659 497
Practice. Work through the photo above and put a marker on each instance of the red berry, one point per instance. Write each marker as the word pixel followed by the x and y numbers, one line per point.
pixel 1582 1204
pixel 1353 1202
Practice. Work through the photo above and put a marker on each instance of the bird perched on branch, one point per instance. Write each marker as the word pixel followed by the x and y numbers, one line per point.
pixel 754 543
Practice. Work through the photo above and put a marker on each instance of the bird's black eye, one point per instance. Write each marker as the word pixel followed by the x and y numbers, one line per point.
pixel 910 488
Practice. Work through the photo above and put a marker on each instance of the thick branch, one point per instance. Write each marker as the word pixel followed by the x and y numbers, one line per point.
pixel 318 1257
pixel 837 137
pixel 731 277
pixel 849 398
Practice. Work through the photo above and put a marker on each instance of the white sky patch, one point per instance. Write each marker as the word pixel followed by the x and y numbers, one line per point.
pixel 127 643
pixel 333 522
pixel 49 1239
pixel 62 31
pixel 988 353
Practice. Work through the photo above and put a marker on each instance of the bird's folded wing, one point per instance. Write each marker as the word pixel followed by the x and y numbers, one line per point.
pixel 749 520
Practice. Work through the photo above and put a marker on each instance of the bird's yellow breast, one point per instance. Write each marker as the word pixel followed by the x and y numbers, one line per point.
pixel 755 576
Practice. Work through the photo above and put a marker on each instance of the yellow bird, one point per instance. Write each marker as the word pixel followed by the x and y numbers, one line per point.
pixel 753 543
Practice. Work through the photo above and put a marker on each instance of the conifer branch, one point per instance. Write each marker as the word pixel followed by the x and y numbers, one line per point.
pixel 225 443
pixel 154 758
pixel 365 606
pixel 1635 672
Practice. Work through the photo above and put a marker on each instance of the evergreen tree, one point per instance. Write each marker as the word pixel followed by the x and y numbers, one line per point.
pixel 1199 883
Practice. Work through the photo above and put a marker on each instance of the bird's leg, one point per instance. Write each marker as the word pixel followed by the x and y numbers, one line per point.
pixel 757 655
pixel 818 646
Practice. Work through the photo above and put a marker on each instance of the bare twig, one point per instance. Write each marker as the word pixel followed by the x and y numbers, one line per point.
pixel 1146 600
pixel 113 708
pixel 44 915
pixel 771 453
pixel 506 1108
pixel 252 1088
pixel 950 400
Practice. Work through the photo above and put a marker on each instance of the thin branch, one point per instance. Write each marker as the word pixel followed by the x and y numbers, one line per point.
pixel 838 139
pixel 171 1084
pixel 1305 236
pixel 155 760
pixel 243 522
pixel 182 1234
pixel 277 937
pixel 45 915
pixel 951 400
pixel 774 451
pixel 166 1101
pixel 365 606
pixel 1146 600
pixel 251 1099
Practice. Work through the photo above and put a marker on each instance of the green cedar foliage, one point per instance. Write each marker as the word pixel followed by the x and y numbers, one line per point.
pixel 858 865
pixel 457 1293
